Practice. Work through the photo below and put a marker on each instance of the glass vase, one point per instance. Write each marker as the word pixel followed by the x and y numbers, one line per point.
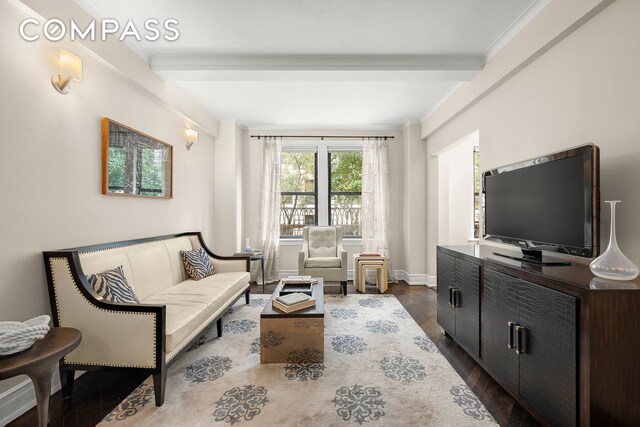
pixel 612 264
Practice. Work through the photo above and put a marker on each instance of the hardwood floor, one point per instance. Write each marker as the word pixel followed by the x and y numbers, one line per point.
pixel 421 303
pixel 95 394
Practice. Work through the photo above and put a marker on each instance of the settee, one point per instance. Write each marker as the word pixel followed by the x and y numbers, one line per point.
pixel 148 336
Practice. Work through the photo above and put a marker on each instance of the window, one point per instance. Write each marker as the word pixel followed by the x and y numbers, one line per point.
pixel 345 191
pixel 321 185
pixel 299 192
pixel 476 192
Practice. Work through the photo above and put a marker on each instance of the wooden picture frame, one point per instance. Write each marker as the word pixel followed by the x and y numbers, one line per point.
pixel 132 160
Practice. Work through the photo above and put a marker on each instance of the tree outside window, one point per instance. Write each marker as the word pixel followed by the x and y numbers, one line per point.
pixel 149 168
pixel 299 192
pixel 345 191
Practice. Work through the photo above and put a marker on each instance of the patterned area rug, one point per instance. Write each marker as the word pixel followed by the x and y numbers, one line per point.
pixel 379 368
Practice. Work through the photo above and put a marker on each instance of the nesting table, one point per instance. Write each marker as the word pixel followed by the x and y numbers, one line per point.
pixel 363 263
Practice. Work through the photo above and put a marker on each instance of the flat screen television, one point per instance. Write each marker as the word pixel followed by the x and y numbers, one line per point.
pixel 550 203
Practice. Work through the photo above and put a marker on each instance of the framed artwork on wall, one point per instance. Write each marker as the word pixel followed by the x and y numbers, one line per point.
pixel 134 163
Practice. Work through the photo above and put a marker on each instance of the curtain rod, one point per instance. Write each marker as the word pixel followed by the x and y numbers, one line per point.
pixel 322 136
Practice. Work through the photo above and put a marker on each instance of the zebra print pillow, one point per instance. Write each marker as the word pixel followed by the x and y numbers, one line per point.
pixel 112 286
pixel 197 264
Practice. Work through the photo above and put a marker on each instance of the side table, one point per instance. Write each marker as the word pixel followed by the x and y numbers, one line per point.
pixel 39 362
pixel 254 256
pixel 362 263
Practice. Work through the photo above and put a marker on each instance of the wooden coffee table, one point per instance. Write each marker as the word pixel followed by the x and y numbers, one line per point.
pixel 296 337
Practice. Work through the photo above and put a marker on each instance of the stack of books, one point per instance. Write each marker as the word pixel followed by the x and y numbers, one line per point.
pixel 372 254
pixel 293 302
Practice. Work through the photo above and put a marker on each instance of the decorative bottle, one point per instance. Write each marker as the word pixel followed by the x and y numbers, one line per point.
pixel 613 264
pixel 247 245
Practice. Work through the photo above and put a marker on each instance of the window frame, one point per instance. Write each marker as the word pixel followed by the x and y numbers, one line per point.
pixel 303 193
pixel 476 194
pixel 323 201
pixel 341 193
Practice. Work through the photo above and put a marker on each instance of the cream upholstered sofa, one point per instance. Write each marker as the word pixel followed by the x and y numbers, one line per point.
pixel 322 254
pixel 147 336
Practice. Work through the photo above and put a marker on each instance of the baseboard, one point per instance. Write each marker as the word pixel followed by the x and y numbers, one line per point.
pixel 432 281
pixel 16 401
pixel 411 279
pixel 22 397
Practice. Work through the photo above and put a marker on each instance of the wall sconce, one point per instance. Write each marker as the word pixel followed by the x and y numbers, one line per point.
pixel 70 70
pixel 192 138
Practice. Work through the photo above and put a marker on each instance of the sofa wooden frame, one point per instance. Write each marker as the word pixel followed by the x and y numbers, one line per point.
pixel 159 371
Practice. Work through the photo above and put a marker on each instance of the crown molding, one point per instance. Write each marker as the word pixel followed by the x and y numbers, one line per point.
pixel 522 21
pixel 408 123
pixel 124 62
pixel 548 28
pixel 452 89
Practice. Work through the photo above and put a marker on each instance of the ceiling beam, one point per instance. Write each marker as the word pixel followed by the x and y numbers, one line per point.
pixel 317 67
pixel 315 76
pixel 317 62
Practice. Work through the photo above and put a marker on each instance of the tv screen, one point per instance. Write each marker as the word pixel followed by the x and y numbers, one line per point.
pixel 549 203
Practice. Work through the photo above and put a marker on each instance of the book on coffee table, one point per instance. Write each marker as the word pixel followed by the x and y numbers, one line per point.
pixel 294 298
pixel 294 307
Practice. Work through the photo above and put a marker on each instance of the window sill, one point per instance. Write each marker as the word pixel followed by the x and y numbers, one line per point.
pixel 298 242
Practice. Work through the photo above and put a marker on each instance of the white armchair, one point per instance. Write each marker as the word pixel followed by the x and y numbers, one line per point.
pixel 322 255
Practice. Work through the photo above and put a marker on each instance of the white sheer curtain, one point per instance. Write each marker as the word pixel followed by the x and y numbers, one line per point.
pixel 270 206
pixel 375 199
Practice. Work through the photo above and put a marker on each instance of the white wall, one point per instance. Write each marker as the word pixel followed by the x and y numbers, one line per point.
pixel 50 168
pixel 123 61
pixel 289 253
pixel 228 169
pixel 414 202
pixel 455 192
pixel 583 89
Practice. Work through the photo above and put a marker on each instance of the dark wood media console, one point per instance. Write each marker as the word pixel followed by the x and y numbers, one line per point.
pixel 562 342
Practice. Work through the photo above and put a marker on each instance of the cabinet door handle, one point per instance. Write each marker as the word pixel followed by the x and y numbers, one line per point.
pixel 510 343
pixel 521 339
pixel 451 295
pixel 456 297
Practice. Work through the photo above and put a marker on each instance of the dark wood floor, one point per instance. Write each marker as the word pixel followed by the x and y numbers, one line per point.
pixel 96 394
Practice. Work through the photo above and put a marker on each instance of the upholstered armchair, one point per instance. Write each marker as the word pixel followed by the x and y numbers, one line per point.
pixel 322 255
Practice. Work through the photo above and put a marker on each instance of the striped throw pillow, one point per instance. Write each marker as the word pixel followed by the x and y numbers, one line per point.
pixel 112 286
pixel 197 263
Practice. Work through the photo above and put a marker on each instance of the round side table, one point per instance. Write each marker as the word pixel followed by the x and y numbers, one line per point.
pixel 39 363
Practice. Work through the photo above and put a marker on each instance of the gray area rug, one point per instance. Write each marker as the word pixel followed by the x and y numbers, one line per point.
pixel 379 368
